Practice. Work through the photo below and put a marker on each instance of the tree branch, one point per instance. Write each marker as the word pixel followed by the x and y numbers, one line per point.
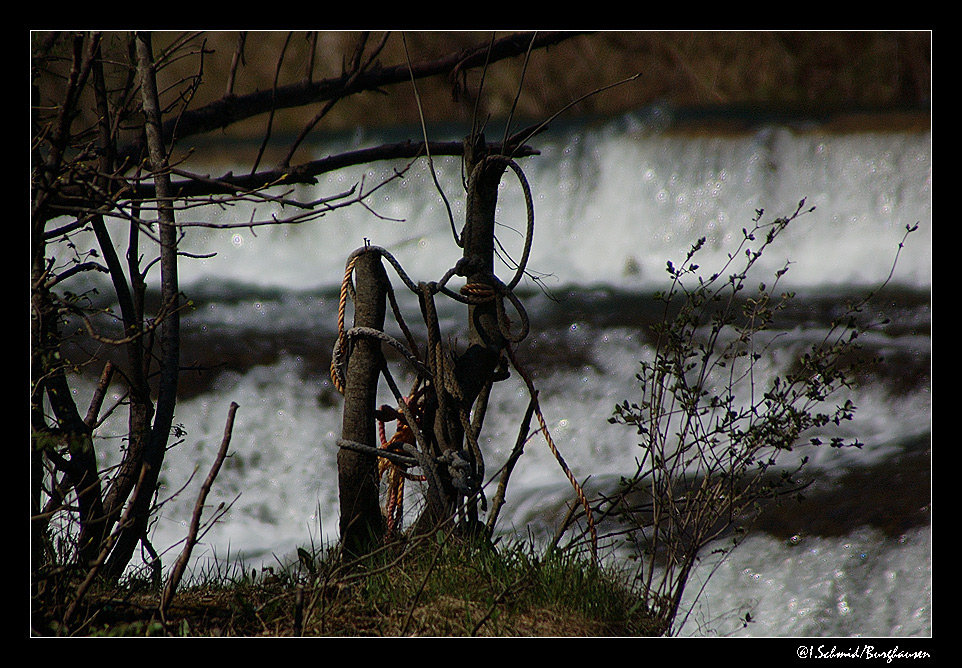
pixel 181 564
pixel 232 108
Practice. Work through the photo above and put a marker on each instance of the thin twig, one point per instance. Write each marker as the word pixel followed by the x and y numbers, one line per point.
pixel 427 146
pixel 521 137
pixel 237 60
pixel 273 109
pixel 517 96
pixel 181 564
pixel 508 467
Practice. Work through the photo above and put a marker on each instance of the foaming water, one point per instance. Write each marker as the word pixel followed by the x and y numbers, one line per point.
pixel 613 203
pixel 280 483
pixel 611 207
pixel 864 584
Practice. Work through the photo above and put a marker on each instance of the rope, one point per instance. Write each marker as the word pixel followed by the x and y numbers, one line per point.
pixel 394 457
pixel 461 472
pixel 430 473
pixel 505 323
pixel 478 292
pixel 579 492
pixel 439 362
pixel 411 285
pixel 400 321
pixel 476 463
pixel 529 210
pixel 419 451
pixel 338 363
pixel 529 233
pixel 337 374
pixel 370 332
pixel 394 508
pixel 465 468
pixel 396 473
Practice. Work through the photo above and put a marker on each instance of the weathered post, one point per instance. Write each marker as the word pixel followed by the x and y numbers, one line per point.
pixel 474 368
pixel 485 340
pixel 450 412
pixel 361 524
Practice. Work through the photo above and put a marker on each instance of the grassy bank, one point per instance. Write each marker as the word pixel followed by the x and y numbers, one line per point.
pixel 433 588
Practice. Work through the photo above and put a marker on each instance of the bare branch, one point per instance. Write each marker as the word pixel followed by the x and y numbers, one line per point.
pixel 270 117
pixel 237 60
pixel 308 171
pixel 229 110
pixel 181 564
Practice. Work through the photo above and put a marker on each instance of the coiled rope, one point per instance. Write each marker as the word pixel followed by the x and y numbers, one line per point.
pixel 439 368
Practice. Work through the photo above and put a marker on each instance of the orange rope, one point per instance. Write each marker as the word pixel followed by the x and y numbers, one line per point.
pixel 396 474
pixel 341 307
pixel 579 492
pixel 480 291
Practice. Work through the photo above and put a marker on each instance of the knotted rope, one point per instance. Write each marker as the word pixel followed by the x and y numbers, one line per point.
pixel 338 362
pixel 465 468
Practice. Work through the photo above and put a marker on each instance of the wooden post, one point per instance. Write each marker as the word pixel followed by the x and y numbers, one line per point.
pixel 485 341
pixel 361 524
pixel 475 367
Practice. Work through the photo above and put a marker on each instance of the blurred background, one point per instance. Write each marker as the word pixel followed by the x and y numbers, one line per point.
pixel 796 73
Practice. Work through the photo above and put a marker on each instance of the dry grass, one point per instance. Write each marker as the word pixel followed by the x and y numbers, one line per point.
pixel 432 590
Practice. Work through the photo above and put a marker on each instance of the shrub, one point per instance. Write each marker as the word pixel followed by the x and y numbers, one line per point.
pixel 713 425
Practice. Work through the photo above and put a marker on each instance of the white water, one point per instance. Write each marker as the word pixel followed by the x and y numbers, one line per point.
pixel 612 204
pixel 860 585
pixel 609 199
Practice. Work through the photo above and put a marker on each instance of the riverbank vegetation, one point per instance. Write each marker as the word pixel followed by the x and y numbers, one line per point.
pixel 436 586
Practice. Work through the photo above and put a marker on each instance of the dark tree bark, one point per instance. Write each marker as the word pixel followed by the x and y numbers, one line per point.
pixel 484 332
pixel 80 470
pixel 130 300
pixel 170 328
pixel 474 369
pixel 361 525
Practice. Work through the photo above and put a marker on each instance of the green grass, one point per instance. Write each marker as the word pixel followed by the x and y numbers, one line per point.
pixel 432 587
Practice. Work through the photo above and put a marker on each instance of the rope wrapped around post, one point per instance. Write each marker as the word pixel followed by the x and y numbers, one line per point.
pixel 440 420
pixel 361 523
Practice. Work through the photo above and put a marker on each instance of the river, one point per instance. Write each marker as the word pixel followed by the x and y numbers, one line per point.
pixel 614 200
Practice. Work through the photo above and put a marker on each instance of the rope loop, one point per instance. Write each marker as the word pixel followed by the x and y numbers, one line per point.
pixel 478 293
pixel 415 444
pixel 507 161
